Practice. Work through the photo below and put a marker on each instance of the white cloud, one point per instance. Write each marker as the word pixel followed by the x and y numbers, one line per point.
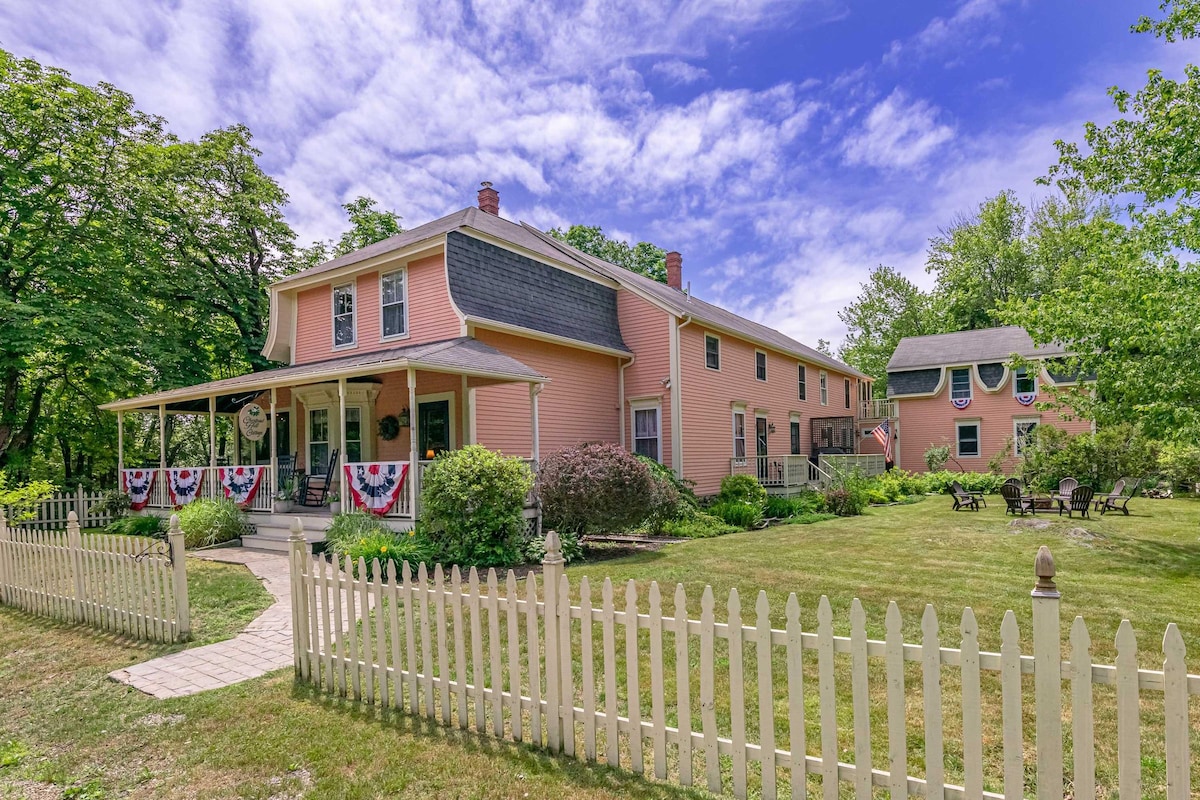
pixel 970 26
pixel 897 134
pixel 679 72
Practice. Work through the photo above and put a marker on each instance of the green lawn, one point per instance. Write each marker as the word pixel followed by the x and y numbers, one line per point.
pixel 67 729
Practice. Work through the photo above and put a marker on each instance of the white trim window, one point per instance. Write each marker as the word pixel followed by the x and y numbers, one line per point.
pixel 966 437
pixel 1024 429
pixel 760 365
pixel 824 388
pixel 712 351
pixel 1024 382
pixel 960 383
pixel 393 300
pixel 344 334
pixel 354 434
pixel 318 440
pixel 739 434
pixel 647 430
pixel 802 381
pixel 847 381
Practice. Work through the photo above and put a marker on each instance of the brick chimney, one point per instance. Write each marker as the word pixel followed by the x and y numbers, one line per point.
pixel 489 199
pixel 675 270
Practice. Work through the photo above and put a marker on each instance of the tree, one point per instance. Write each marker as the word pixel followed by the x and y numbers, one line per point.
pixel 643 258
pixel 367 226
pixel 889 308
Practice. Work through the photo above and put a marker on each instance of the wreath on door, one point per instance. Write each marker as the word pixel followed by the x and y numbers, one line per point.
pixel 389 427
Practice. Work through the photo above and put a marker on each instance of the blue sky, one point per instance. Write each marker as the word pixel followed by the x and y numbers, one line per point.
pixel 784 147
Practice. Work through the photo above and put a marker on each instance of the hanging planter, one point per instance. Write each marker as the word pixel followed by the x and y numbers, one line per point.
pixel 389 427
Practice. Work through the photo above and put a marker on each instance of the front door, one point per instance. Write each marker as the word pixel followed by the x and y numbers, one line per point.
pixel 433 428
pixel 760 437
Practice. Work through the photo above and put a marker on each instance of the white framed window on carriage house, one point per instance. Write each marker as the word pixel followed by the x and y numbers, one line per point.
pixel 712 351
pixel 802 382
pixel 824 378
pixel 345 333
pixel 966 438
pixel 1024 429
pixel 760 365
pixel 393 301
pixel 646 424
pixel 739 434
pixel 960 384
pixel 1024 382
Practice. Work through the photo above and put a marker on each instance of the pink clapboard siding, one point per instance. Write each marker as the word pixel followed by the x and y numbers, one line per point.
pixel 578 405
pixel 431 315
pixel 646 330
pixel 709 397
pixel 930 421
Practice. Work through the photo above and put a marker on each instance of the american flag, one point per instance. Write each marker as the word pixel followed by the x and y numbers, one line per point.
pixel 883 434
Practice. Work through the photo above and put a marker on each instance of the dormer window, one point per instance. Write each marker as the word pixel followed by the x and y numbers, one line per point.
pixel 960 384
pixel 1025 382
pixel 394 300
pixel 343 315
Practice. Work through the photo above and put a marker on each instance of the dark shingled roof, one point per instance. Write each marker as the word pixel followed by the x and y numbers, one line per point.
pixel 917 381
pixel 967 347
pixel 492 283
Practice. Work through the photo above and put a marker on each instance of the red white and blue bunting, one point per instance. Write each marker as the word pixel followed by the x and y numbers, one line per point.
pixel 137 483
pixel 184 485
pixel 240 483
pixel 376 486
pixel 961 402
pixel 1026 398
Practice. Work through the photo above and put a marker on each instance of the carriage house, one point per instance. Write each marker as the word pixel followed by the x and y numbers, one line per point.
pixel 475 329
pixel 958 390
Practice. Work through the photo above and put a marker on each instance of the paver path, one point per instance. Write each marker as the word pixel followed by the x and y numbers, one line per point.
pixel 264 646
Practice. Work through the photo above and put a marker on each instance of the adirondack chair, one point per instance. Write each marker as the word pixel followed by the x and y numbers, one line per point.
pixel 1014 501
pixel 1065 487
pixel 1120 503
pixel 314 489
pixel 963 498
pixel 1080 500
pixel 977 495
pixel 1117 490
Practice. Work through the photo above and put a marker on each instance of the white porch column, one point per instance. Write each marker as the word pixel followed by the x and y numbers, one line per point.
pixel 413 456
pixel 342 488
pixel 162 436
pixel 212 430
pixel 274 449
pixel 120 445
pixel 535 435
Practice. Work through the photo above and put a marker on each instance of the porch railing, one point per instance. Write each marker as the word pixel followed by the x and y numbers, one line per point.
pixel 774 471
pixel 867 464
pixel 877 409
pixel 211 489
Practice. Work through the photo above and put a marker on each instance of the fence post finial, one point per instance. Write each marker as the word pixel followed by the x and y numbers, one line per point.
pixel 553 549
pixel 297 528
pixel 1043 567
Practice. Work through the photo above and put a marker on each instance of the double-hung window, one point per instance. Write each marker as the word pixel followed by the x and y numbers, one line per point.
pixel 343 315
pixel 760 365
pixel 801 380
pixel 824 388
pixel 712 351
pixel 1024 382
pixel 1024 430
pixel 647 434
pixel 393 299
pixel 967 436
pixel 960 384
pixel 739 435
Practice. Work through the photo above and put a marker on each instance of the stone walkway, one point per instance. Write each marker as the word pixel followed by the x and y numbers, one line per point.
pixel 264 646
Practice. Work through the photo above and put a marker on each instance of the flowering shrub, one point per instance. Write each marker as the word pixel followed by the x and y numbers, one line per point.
pixel 383 546
pixel 595 487
pixel 471 507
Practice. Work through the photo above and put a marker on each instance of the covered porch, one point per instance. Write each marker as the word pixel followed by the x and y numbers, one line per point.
pixel 392 410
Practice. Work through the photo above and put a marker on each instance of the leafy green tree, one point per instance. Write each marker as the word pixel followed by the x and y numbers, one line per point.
pixel 889 308
pixel 367 226
pixel 643 258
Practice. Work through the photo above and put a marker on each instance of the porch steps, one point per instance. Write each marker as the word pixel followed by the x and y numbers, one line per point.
pixel 272 530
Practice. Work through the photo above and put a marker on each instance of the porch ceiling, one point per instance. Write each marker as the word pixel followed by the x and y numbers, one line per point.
pixel 461 356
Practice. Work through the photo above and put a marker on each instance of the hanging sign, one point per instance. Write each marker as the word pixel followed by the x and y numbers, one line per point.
pixel 376 486
pixel 137 484
pixel 252 421
pixel 240 483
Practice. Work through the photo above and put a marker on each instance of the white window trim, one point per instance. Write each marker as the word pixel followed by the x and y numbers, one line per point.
pixel 824 387
pixel 333 293
pixel 958 423
pixel 794 418
pixel 395 336
pixel 1029 373
pixel 802 396
pixel 762 353
pixel 848 393
pixel 645 405
pixel 1035 419
pixel 433 398
pixel 970 381
pixel 740 461
pixel 308 438
pixel 766 430
pixel 708 336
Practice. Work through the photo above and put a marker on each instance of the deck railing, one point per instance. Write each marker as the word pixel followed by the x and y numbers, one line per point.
pixel 783 472
pixel 877 409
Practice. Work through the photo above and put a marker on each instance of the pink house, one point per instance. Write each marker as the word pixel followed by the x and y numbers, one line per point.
pixel 958 390
pixel 475 329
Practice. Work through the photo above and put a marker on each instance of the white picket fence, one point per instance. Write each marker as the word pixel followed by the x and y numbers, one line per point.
pixel 535 668
pixel 51 514
pixel 132 586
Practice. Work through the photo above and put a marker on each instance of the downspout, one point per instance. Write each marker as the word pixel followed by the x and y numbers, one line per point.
pixel 621 399
pixel 677 396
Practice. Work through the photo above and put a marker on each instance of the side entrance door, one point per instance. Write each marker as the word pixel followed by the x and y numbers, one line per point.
pixel 760 437
pixel 433 428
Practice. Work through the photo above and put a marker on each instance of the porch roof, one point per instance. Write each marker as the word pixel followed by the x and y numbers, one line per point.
pixel 461 356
